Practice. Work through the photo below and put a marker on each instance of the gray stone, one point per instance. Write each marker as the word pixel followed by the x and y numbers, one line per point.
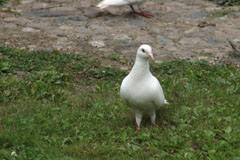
pixel 74 23
pixel 127 43
pixel 65 27
pixel 175 4
pixel 128 26
pixel 112 10
pixel 171 16
pixel 174 36
pixel 60 1
pixel 122 37
pixel 61 19
pixel 31 47
pixel 190 41
pixel 63 9
pixel 213 41
pixel 164 40
pixel 85 3
pixel 200 34
pixel 98 28
pixel 91 12
pixel 138 23
pixel 26 1
pixel 197 15
pixel 42 49
pixel 4 14
pixel 97 44
pixel 82 36
pixel 82 30
pixel 53 12
pixel 62 39
pixel 203 24
pixel 52 35
pixel 58 46
pixel 156 30
pixel 171 48
pixel 98 37
pixel 39 25
pixel 61 43
pixel 145 39
pixel 17 20
pixel 10 25
pixel 78 18
pixel 29 29
pixel 41 13
pixel 38 6
pixel 60 32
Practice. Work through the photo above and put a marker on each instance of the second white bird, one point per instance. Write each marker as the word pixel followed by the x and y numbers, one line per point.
pixel 107 3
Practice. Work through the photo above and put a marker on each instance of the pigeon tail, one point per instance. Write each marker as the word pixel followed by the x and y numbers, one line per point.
pixel 102 5
pixel 166 102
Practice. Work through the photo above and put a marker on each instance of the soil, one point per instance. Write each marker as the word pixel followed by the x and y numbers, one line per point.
pixel 180 29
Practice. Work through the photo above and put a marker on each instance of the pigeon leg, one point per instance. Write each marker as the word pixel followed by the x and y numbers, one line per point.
pixel 142 13
pixel 153 118
pixel 145 14
pixel 133 9
pixel 138 120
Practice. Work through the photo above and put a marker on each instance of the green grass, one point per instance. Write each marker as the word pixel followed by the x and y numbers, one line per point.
pixel 230 2
pixel 67 106
pixel 3 1
pixel 227 10
pixel 221 13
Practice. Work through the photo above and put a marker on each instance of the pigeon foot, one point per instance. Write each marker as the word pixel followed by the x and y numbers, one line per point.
pixel 146 14
pixel 142 13
pixel 137 129
pixel 154 125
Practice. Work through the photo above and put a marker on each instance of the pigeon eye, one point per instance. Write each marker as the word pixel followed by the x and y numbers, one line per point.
pixel 143 50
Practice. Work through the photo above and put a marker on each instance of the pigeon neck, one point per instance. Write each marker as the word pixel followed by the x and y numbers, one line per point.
pixel 141 65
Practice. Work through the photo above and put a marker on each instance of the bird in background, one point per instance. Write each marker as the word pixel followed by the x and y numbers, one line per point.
pixel 140 90
pixel 106 3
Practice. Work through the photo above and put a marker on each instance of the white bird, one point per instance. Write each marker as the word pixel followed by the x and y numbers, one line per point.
pixel 140 90
pixel 107 3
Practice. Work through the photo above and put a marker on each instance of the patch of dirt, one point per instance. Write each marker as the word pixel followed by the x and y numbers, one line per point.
pixel 180 29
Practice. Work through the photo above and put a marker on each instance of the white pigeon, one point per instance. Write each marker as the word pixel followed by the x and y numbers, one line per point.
pixel 107 3
pixel 140 90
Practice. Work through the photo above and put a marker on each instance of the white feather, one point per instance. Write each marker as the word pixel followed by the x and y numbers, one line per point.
pixel 140 90
pixel 107 3
pixel 166 102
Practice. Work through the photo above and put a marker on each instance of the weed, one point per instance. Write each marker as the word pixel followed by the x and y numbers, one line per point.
pixel 67 106
pixel 3 1
pixel 224 12
pixel 114 57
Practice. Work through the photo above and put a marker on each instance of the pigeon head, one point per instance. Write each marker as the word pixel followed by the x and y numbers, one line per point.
pixel 145 52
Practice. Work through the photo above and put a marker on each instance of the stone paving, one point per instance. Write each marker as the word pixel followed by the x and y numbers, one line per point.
pixel 180 29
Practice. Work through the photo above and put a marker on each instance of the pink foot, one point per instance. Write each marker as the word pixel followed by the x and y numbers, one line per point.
pixel 154 125
pixel 137 130
pixel 145 14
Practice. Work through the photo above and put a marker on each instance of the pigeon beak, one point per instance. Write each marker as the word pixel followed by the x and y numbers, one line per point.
pixel 151 56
